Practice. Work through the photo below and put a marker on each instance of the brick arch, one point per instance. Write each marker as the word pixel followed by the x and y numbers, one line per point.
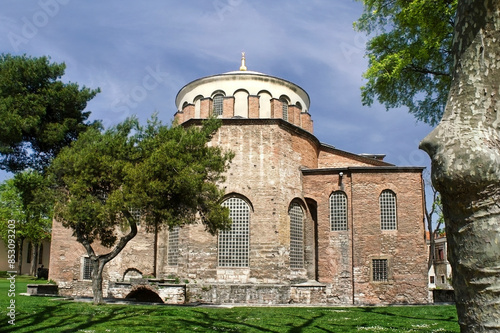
pixel 239 196
pixel 129 270
pixel 143 293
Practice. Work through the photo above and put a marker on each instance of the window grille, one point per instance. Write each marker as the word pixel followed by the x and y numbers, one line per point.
pixel 173 246
pixel 284 107
pixel 136 214
pixel 87 269
pixel 218 105
pixel 338 211
pixel 379 269
pixel 296 236
pixel 388 210
pixel 234 243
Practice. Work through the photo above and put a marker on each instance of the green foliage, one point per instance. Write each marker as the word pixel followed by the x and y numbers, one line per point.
pixel 39 114
pixel 409 54
pixel 169 174
pixel 27 199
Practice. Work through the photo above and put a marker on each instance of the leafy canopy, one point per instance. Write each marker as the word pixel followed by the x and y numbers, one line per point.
pixel 168 174
pixel 27 199
pixel 409 54
pixel 39 114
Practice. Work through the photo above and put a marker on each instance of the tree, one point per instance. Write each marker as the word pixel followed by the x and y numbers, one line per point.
pixel 169 174
pixel 410 54
pixel 37 204
pixel 26 199
pixel 39 114
pixel 465 153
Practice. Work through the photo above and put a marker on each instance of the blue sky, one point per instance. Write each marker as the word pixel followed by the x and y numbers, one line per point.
pixel 141 53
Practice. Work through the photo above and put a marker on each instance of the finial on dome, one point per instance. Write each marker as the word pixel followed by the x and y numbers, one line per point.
pixel 243 67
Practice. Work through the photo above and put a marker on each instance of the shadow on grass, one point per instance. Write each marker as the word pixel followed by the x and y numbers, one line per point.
pixel 61 318
pixel 65 316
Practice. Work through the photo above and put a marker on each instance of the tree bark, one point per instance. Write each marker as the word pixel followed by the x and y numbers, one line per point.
pixel 465 153
pixel 20 256
pixel 97 269
pixel 34 259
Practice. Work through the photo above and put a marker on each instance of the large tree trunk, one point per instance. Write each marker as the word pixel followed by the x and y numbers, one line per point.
pixel 34 259
pixel 97 269
pixel 465 153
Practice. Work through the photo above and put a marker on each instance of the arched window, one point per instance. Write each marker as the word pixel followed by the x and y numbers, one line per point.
pixel 218 104
pixel 296 236
pixel 338 211
pixel 173 246
pixel 234 243
pixel 284 107
pixel 388 217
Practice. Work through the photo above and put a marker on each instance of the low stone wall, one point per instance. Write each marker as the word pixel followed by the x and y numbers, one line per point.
pixel 42 289
pixel 308 293
pixel 170 293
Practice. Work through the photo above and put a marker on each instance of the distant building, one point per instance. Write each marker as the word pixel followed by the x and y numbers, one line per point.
pixel 27 257
pixel 440 271
pixel 311 223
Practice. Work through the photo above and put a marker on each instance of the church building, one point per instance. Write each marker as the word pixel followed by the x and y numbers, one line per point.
pixel 311 224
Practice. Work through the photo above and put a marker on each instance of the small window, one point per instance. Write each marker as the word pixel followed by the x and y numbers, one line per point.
pixel 173 246
pixel 387 202
pixel 284 108
pixel 296 236
pixel 87 269
pixel 431 279
pixel 440 255
pixel 443 279
pixel 338 211
pixel 136 214
pixel 218 105
pixel 379 270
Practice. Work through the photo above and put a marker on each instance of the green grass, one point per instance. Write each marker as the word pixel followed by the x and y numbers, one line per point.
pixel 45 314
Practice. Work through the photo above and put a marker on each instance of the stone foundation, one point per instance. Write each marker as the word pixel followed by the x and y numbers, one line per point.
pixel 170 293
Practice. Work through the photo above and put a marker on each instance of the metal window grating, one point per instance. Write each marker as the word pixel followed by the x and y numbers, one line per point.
pixel 379 269
pixel 136 214
pixel 218 105
pixel 284 107
pixel 296 236
pixel 338 211
pixel 87 269
pixel 173 247
pixel 234 243
pixel 388 210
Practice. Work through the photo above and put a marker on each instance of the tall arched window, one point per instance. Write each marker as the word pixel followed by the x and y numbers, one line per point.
pixel 234 243
pixel 388 216
pixel 218 104
pixel 338 211
pixel 284 107
pixel 296 236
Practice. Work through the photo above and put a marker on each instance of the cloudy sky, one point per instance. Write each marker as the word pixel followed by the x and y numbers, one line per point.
pixel 120 45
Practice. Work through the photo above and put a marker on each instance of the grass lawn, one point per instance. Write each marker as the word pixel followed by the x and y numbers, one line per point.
pixel 46 314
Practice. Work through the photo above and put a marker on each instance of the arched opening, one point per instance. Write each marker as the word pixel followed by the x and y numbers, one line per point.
pixel 144 294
